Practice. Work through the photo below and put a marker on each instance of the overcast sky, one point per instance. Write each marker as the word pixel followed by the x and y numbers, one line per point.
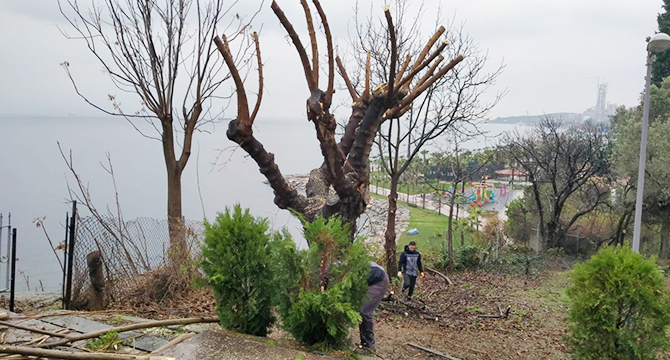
pixel 554 51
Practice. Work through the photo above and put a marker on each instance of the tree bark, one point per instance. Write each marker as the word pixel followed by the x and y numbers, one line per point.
pixel 665 241
pixel 390 235
pixel 175 221
pixel 450 244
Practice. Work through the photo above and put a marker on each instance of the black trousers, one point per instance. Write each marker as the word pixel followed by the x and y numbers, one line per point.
pixel 409 282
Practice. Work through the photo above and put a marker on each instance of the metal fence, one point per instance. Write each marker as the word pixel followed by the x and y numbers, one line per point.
pixel 128 250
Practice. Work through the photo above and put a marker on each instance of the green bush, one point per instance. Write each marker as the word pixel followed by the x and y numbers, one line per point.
pixel 236 256
pixel 287 267
pixel 331 278
pixel 619 307
pixel 469 257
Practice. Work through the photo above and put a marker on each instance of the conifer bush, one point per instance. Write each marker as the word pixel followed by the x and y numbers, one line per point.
pixel 619 307
pixel 320 298
pixel 236 256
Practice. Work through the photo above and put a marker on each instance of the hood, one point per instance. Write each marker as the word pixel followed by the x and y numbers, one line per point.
pixel 406 248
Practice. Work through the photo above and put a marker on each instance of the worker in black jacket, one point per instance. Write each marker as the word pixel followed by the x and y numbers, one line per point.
pixel 378 284
pixel 409 267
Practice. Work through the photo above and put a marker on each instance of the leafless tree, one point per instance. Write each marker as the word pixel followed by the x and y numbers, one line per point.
pixel 455 100
pixel 161 52
pixel 345 168
pixel 563 164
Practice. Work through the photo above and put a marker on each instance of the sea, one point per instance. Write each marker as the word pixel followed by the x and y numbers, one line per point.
pixel 34 177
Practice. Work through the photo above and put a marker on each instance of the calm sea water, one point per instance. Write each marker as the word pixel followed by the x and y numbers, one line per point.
pixel 33 177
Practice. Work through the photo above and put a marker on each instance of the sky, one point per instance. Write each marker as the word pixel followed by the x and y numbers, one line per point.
pixel 554 52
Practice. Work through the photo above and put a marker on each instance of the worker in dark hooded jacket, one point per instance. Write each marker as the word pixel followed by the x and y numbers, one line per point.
pixel 409 267
pixel 378 284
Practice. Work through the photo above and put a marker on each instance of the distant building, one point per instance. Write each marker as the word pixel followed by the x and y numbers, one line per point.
pixel 511 175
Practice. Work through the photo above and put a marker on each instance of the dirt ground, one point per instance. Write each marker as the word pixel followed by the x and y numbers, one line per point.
pixel 441 317
pixel 445 318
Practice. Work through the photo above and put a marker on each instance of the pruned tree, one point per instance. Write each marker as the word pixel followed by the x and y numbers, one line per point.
pixel 151 50
pixel 340 186
pixel 562 164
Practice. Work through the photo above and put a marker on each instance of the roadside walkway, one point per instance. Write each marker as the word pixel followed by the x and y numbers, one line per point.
pixel 418 201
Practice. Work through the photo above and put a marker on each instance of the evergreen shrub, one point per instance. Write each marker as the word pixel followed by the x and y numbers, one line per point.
pixel 619 307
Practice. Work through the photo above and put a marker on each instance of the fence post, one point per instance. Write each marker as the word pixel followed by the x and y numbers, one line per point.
pixel 13 277
pixel 65 257
pixel 68 287
pixel 9 244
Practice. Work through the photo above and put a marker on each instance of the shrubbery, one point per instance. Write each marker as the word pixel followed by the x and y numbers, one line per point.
pixel 331 283
pixel 236 258
pixel 620 308
pixel 468 257
pixel 317 292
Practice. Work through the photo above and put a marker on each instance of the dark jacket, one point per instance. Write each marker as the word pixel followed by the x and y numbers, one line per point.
pixel 377 274
pixel 410 262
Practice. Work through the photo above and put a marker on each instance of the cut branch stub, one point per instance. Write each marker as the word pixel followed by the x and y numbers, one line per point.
pixel 243 119
pixel 407 101
pixel 331 58
pixel 429 44
pixel 366 93
pixel 312 39
pixel 309 75
pixel 345 77
pixel 260 77
pixel 416 69
pixel 394 55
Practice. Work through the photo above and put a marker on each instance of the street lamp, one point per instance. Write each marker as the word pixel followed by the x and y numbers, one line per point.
pixel 658 43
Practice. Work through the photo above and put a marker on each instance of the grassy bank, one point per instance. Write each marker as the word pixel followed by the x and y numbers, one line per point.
pixel 430 225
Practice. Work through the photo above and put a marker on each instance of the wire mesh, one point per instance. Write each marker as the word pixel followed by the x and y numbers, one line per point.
pixel 128 249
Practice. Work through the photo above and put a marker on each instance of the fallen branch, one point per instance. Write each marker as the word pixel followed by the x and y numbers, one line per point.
pixel 173 342
pixel 38 331
pixel 59 354
pixel 499 315
pixel 124 328
pixel 434 352
pixel 441 274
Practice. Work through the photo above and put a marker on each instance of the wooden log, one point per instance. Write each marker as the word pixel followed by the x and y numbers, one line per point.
pixel 434 352
pixel 59 354
pixel 120 329
pixel 173 342
pixel 441 275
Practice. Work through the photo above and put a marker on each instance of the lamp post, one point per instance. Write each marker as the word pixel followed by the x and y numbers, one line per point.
pixel 658 43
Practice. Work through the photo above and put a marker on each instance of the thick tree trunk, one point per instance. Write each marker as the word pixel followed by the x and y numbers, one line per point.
pixel 177 250
pixel 552 236
pixel 665 241
pixel 390 235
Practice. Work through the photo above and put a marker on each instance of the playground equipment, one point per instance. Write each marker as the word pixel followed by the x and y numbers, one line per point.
pixel 481 196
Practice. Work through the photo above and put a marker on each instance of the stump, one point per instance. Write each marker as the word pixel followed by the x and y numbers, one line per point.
pixel 96 299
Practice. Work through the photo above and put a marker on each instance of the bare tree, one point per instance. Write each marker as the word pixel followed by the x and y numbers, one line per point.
pixel 453 100
pixel 458 160
pixel 562 164
pixel 340 186
pixel 150 49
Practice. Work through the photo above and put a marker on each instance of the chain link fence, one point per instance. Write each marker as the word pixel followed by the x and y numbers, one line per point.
pixel 128 250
